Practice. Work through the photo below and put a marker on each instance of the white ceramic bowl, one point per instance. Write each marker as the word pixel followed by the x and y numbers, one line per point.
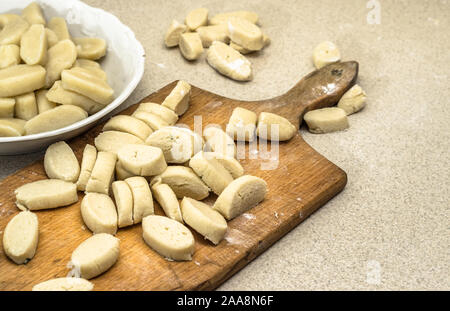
pixel 123 63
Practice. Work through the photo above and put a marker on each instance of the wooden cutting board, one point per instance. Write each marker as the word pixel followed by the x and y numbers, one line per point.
pixel 302 182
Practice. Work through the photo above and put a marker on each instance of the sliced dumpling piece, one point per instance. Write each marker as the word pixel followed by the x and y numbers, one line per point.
pixel 59 27
pixel 42 102
pixel 209 34
pixel 128 124
pixel 326 120
pixel 184 182
pixel 121 173
pixel 26 107
pixel 165 196
pixel 168 237
pixel 92 66
pixel 7 107
pixel 142 198
pixel 221 18
pixel 325 53
pixel 112 141
pixel 124 203
pixel 197 18
pixel 176 144
pixel 213 174
pixel 64 284
pixel 99 213
pixel 142 160
pixel 245 33
pixel 90 48
pixel 353 100
pixel 33 14
pixel 229 62
pixel 102 173
pixel 203 219
pixel 20 79
pixel 52 38
pixel 274 127
pixel 13 31
pixel 33 45
pixel 219 141
pixel 44 194
pixel 87 165
pixel 191 46
pixel 242 124
pixel 241 195
pixel 61 56
pixel 20 238
pixel 6 18
pixel 10 127
pixel 229 163
pixel 61 163
pixel 164 113
pixel 173 34
pixel 179 97
pixel 154 121
pixel 95 255
pixel 9 55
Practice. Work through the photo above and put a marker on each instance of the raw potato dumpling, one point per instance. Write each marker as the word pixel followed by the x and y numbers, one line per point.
pixel 353 100
pixel 326 120
pixel 61 163
pixel 229 163
pixel 213 174
pixel 10 127
pixel 155 122
pixel 243 50
pixel 121 173
pixel 128 124
pixel 7 107
pixel 124 203
pixel 93 67
pixel 26 107
pixel 229 62
pixel 55 118
pixel 7 18
pixel 102 174
pixel 219 141
pixel 268 123
pixel 9 55
pixel 33 45
pixel 168 237
pixel 203 219
pixel 33 14
pixel 164 113
pixel 142 198
pixel 90 48
pixel 99 213
pixel 112 141
pixel 173 34
pixel 191 45
pixel 197 18
pixel 176 144
pixel 52 38
pixel 184 182
pixel 221 18
pixel 242 124
pixel 13 31
pixel 178 99
pixel 64 284
pixel 246 34
pixel 95 255
pixel 241 195
pixel 20 79
pixel 325 53
pixel 42 102
pixel 59 27
pixel 209 34
pixel 44 194
pixel 21 236
pixel 167 199
pixel 142 160
pixel 87 165
pixel 61 56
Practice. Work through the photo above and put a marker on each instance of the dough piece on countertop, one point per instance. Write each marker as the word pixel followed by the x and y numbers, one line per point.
pixel 241 195
pixel 271 123
pixel 142 198
pixel 246 34
pixel 229 163
pixel 154 121
pixel 95 255
pixel 33 14
pixel 7 107
pixel 191 46
pixel 229 62
pixel 87 165
pixel 45 194
pixel 176 143
pixel 179 97
pixel 244 51
pixel 221 18
pixel 353 100
pixel 26 107
pixel 10 127
pixel 99 213
pixel 325 53
pixel 33 45
pixel 168 115
pixel 61 163
pixel 9 55
pixel 203 219
pixel 184 182
pixel 42 102
pixel 219 141
pixel 21 236
pixel 168 237
pixel 59 27
pixel 128 124
pixel 242 124
pixel 326 120
pixel 173 34
pixel 64 284
pixel 102 174
pixel 165 196
pixel 112 141
pixel 20 79
pixel 142 160
pixel 124 203
pixel 90 48
pixel 197 18
pixel 61 56
pixel 209 34
pixel 13 31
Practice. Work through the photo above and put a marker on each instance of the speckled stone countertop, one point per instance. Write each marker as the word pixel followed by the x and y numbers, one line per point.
pixel 390 227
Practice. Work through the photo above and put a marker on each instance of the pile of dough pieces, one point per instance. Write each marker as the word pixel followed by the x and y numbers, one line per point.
pixel 48 79
pixel 137 159
pixel 333 119
pixel 227 36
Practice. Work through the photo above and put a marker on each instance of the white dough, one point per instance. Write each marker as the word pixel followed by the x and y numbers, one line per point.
pixel 102 174
pixel 197 18
pixel 161 111
pixel 326 120
pixel 270 123
pixel 153 120
pixel 184 182
pixel 191 46
pixel 178 99
pixel 12 127
pixel 87 165
pixel 142 198
pixel 128 124
pixel 229 163
pixel 61 163
pixel 124 203
pixel 121 173
pixel 325 53
pixel 112 141
pixel 353 100
pixel 242 124
pixel 165 196
pixel 209 34
pixel 64 284
pixel 219 141
pixel 229 62
pixel 142 160
pixel 99 213
pixel 173 34
pixel 246 34
pixel 176 143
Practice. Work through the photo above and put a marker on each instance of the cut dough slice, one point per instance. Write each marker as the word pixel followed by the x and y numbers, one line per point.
pixel 52 38
pixel 142 160
pixel 99 213
pixel 245 51
pixel 93 67
pixel 95 255
pixel 219 141
pixel 165 196
pixel 102 174
pixel 203 219
pixel 176 144
pixel 229 163
pixel 61 163
pixel 7 107
pixel 56 118
pixel 241 195
pixel 33 45
pixel 59 27
pixel 190 45
pixel 87 165
pixel 209 34
pixel 221 18
pixel 184 182
pixel 13 31
pixel 7 18
pixel 178 99
pixel 325 53
pixel 163 112
pixel 168 237
pixel 213 174
pixel 173 34
pixel 61 56
pixel 197 18
pixel 10 127
pixel 154 121
pixel 42 102
pixel 112 141
pixel 245 33
pixel 47 193
pixel 90 48
pixel 26 107
pixel 20 79
pixel 326 120
pixel 270 124
pixel 128 124
pixel 124 203
pixel 242 124
pixel 229 62
pixel 353 100
pixel 142 198
pixel 33 14
pixel 21 236
pixel 64 284
pixel 9 55
pixel 121 173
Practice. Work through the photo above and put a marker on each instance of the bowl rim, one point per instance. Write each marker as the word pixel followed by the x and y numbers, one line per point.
pixel 129 88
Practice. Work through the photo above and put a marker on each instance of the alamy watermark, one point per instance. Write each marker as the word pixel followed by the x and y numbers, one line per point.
pixel 373 272
pixel 374 15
